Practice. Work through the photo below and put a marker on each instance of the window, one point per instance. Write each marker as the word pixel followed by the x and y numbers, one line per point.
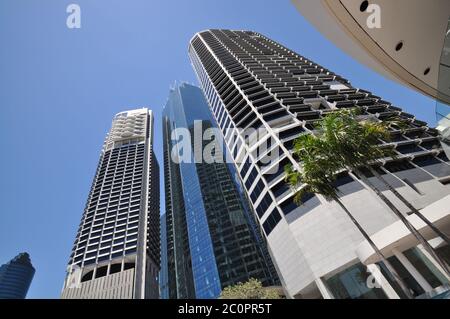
pixel 292 132
pixel 118 241
pixel 259 188
pixel 425 267
pixel 412 284
pixel 424 161
pixel 431 145
pixel 92 254
pixel 87 276
pixel 398 166
pixel 264 205
pixel 272 176
pixel 416 134
pixel 409 148
pixel 343 179
pixel 280 188
pixel 104 251
pixel 115 268
pixel 117 254
pixel 275 115
pixel 245 167
pixel 443 157
pixel 289 206
pixel 352 284
pixel 130 251
pixel 397 137
pixel 251 178
pixel 271 221
pixel 101 272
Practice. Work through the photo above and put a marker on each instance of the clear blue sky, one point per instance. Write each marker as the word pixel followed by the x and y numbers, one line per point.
pixel 59 89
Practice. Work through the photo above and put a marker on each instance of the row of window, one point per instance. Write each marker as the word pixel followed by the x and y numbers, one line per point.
pixel 105 270
pixel 360 97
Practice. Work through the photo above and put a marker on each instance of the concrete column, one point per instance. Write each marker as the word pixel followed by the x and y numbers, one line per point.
pixel 382 281
pixel 326 293
pixel 412 270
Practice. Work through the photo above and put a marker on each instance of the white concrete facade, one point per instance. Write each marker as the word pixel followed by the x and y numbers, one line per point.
pixel 116 250
pixel 420 26
pixel 313 243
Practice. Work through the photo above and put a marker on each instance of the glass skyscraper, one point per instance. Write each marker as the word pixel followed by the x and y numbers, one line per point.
pixel 254 84
pixel 116 253
pixel 16 277
pixel 210 241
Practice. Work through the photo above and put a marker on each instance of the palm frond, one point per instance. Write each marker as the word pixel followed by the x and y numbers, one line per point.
pixel 345 139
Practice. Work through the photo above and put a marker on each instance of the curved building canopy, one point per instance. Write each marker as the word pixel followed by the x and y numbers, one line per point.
pixel 401 39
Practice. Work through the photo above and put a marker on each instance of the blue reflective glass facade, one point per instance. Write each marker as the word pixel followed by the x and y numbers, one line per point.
pixel 201 254
pixel 211 240
pixel 16 277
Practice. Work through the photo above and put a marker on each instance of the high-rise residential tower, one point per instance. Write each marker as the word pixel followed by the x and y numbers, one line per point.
pixel 210 237
pixel 15 277
pixel 263 94
pixel 117 248
pixel 164 272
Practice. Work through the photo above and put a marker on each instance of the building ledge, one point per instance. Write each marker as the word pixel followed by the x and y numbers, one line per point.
pixel 397 237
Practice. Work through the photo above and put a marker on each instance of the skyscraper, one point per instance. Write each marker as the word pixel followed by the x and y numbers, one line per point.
pixel 117 248
pixel 252 82
pixel 210 238
pixel 164 271
pixel 15 277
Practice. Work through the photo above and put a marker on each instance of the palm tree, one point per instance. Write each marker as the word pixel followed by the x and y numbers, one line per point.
pixel 364 149
pixel 353 142
pixel 318 176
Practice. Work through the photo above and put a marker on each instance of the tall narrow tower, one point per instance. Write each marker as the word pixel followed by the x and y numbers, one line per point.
pixel 15 277
pixel 116 252
pixel 211 240
pixel 262 96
